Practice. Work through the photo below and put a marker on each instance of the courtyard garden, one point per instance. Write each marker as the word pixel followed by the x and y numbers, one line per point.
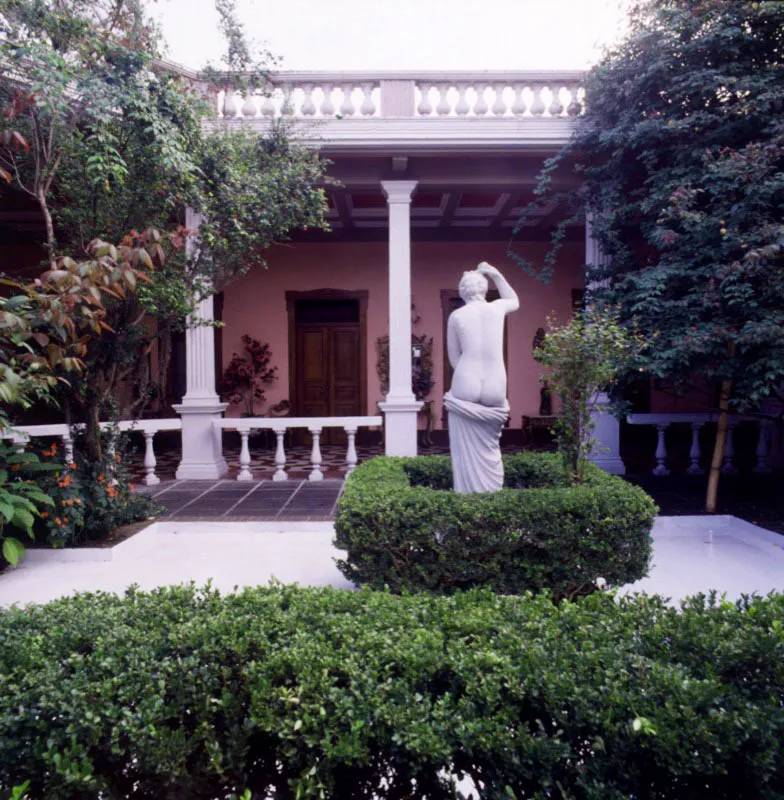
pixel 378 634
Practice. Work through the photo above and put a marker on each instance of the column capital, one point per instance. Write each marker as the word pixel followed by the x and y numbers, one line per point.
pixel 398 191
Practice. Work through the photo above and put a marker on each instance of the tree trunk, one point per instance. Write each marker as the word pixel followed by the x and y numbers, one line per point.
pixel 718 448
pixel 93 431
pixel 50 243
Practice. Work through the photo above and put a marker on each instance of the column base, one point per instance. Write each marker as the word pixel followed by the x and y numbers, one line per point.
pixel 609 463
pixel 202 446
pixel 400 427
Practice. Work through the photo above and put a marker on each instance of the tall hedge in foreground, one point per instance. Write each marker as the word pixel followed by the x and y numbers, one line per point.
pixel 402 527
pixel 323 693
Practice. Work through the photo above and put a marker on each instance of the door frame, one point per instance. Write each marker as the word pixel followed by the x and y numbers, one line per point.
pixel 328 294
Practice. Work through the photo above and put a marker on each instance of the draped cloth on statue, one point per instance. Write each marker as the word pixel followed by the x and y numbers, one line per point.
pixel 475 444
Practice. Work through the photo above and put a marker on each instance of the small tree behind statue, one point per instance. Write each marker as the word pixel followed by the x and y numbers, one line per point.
pixel 583 357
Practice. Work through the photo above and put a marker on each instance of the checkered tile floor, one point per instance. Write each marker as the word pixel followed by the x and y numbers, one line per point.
pixel 244 501
pixel 263 461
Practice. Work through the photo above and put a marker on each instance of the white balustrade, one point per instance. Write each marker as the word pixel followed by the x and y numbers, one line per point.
pixel 694 453
pixel 150 462
pixel 763 445
pixel 280 425
pixel 245 473
pixel 315 456
pixel 696 421
pixel 323 95
pixel 22 434
pixel 661 451
pixel 728 467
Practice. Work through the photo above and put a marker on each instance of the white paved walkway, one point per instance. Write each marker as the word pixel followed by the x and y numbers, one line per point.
pixel 691 554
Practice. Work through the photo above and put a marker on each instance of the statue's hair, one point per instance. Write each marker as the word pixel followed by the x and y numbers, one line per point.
pixel 472 284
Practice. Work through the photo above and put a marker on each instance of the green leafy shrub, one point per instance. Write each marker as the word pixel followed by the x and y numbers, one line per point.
pixel 401 527
pixel 88 499
pixel 284 692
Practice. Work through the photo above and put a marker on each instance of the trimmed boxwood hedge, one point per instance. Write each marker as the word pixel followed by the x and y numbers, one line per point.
pixel 402 527
pixel 290 693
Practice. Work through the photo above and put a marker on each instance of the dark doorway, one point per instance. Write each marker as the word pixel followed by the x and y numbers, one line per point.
pixel 327 354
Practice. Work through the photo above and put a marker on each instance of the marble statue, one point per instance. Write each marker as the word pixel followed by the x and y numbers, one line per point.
pixel 476 401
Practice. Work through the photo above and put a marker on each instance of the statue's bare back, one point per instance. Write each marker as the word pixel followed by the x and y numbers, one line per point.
pixel 475 339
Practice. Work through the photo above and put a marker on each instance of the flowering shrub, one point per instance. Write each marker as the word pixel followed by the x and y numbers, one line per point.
pixel 247 375
pixel 89 498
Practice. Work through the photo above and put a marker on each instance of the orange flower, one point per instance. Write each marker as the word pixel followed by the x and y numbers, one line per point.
pixel 44 514
pixel 72 465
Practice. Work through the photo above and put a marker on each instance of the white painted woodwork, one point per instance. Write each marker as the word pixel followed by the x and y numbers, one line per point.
pixel 150 478
pixel 661 451
pixel 694 452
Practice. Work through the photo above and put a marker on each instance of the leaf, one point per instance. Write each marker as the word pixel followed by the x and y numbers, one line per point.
pixel 13 550
pixel 23 519
pixel 7 511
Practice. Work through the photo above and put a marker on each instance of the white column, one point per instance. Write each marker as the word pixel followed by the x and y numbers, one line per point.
pixel 202 451
pixel 401 407
pixel 607 429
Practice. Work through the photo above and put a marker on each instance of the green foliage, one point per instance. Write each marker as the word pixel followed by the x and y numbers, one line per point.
pixel 110 141
pixel 680 156
pixel 583 357
pixel 254 190
pixel 88 499
pixel 284 692
pixel 403 528
pixel 21 498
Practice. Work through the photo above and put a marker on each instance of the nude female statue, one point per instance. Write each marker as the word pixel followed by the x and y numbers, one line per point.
pixel 476 401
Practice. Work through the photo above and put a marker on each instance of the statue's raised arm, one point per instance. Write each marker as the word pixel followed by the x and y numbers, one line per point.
pixel 508 296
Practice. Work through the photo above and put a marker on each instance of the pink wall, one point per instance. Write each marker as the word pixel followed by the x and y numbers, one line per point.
pixel 256 303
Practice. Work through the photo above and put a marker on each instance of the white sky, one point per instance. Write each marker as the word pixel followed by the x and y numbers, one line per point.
pixel 401 34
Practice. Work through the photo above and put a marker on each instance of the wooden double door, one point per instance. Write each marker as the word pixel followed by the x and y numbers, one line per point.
pixel 328 370
pixel 327 331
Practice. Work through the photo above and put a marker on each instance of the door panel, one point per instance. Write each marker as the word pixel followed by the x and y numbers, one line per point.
pixel 328 371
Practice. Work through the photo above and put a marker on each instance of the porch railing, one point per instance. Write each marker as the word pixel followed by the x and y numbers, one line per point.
pixel 22 434
pixel 341 95
pixel 279 426
pixel 663 422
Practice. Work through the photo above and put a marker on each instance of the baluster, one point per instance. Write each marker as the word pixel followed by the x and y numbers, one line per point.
pixel 480 106
pixel 249 106
pixel 308 106
pixel 351 453
pixel 280 457
pixel 443 108
pixel 518 104
pixel 287 107
pixel 425 108
pixel 661 452
pixel 499 106
pixel 151 479
pixel 326 108
pixel 762 448
pixel 230 105
pixel 556 106
pixel 268 107
pixel 347 106
pixel 537 107
pixel 695 453
pixel 728 468
pixel 575 108
pixel 245 473
pixel 367 109
pixel 68 447
pixel 315 457
pixel 462 107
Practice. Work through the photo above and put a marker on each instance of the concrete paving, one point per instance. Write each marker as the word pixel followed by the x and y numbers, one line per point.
pixel 691 554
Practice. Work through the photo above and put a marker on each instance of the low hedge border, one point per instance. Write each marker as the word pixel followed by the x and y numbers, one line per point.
pixel 285 692
pixel 402 527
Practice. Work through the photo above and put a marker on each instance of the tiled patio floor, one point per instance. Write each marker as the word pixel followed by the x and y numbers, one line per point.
pixel 237 501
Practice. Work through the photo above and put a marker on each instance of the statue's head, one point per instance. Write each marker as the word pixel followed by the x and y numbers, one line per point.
pixel 472 286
